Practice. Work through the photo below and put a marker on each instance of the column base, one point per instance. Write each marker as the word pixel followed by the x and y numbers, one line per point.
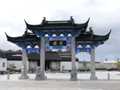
pixel 93 77
pixel 73 76
pixel 40 75
pixel 24 76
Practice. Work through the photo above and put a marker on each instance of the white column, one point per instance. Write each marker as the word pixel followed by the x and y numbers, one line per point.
pixel 74 70
pixel 92 55
pixel 40 74
pixel 24 67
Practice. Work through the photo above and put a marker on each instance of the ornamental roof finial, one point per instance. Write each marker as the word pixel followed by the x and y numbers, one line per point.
pixel 71 19
pixel 44 20
pixel 91 30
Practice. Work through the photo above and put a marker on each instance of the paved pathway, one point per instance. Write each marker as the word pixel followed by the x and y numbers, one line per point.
pixel 60 81
pixel 59 85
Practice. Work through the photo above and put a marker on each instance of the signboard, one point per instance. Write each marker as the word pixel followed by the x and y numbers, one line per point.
pixel 57 43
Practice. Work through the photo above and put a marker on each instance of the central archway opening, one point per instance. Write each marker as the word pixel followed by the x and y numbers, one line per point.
pixel 57 50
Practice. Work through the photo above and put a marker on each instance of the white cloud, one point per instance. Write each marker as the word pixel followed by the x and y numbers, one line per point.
pixel 104 15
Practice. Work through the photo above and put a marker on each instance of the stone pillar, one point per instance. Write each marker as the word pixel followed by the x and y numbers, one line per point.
pixel 40 73
pixel 61 67
pixel 24 67
pixel 92 55
pixel 74 70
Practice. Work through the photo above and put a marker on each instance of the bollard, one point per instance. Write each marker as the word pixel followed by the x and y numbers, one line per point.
pixel 8 75
pixel 108 75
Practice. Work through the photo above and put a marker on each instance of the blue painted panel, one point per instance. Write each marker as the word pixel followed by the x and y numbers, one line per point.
pixel 83 50
pixel 57 38
pixel 33 50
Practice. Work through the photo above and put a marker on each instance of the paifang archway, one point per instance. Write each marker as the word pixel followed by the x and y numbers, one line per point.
pixel 58 36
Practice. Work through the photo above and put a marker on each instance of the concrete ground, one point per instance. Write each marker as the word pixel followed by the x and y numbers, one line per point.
pixel 59 85
pixel 61 81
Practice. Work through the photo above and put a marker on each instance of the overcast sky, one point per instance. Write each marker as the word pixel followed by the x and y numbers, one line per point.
pixel 104 14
